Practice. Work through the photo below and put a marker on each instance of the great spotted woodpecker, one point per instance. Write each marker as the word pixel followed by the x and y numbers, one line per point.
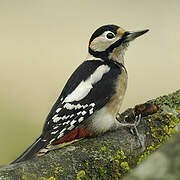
pixel 92 96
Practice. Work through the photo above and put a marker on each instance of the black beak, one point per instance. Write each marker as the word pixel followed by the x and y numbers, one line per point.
pixel 131 35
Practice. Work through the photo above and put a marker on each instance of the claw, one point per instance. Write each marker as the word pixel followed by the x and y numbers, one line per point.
pixel 138 119
pixel 134 130
pixel 131 125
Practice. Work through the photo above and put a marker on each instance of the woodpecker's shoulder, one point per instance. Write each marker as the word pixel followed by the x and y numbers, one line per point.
pixel 87 69
pixel 83 72
pixel 96 73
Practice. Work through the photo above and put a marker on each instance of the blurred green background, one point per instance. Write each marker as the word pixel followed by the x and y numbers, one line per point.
pixel 42 42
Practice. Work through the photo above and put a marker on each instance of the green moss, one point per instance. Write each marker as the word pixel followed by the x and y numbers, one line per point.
pixel 172 100
pixel 125 166
pixel 57 170
pixel 102 171
pixel 122 154
pixel 50 178
pixel 81 175
pixel 162 133
pixel 87 168
pixel 119 155
pixel 116 174
pixel 162 126
pixel 117 159
pixel 29 176
pixel 103 148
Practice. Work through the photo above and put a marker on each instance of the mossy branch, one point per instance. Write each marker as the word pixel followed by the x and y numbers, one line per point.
pixel 109 156
pixel 164 164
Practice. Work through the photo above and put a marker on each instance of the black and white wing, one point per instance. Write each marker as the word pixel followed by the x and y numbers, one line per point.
pixel 89 88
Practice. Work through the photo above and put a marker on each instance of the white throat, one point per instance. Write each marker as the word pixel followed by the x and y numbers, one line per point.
pixel 118 53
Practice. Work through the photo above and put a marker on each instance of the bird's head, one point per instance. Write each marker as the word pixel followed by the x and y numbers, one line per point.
pixel 111 41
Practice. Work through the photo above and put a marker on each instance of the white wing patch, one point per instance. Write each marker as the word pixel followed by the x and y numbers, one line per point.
pixel 83 89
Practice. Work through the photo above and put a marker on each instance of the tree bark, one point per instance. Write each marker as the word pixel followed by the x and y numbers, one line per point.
pixel 109 156
pixel 164 164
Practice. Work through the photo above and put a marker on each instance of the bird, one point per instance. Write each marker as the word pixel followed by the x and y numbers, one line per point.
pixel 92 97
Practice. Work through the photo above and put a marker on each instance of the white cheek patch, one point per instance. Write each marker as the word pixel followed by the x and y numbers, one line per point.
pixel 101 43
pixel 83 89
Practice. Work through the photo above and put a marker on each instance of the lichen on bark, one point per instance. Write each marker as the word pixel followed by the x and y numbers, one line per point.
pixel 109 156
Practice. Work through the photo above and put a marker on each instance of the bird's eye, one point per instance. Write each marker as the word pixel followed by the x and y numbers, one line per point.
pixel 110 35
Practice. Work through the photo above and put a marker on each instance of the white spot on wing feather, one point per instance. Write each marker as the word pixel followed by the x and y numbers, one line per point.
pixel 51 140
pixel 63 130
pixel 69 106
pixel 78 106
pixel 85 106
pixel 92 104
pixel 65 117
pixel 60 135
pixel 91 111
pixel 70 128
pixel 55 127
pixel 58 110
pixel 54 132
pixel 67 122
pixel 54 116
pixel 83 113
pixel 56 119
pixel 73 106
pixel 81 119
pixel 71 115
pixel 79 113
pixel 73 121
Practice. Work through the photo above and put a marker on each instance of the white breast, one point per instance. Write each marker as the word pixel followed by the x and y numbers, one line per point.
pixel 102 121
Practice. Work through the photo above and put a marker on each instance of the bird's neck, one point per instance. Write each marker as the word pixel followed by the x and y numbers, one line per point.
pixel 116 55
pixel 119 58
pixel 91 57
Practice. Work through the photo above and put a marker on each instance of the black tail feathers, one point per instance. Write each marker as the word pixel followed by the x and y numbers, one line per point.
pixel 35 148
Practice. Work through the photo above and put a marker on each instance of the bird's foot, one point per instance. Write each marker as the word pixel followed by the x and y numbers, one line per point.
pixel 134 130
pixel 130 125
